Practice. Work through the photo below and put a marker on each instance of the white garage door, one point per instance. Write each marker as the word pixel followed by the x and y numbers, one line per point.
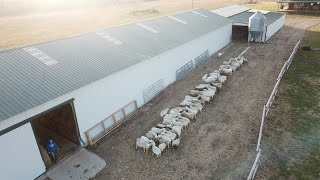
pixel 19 154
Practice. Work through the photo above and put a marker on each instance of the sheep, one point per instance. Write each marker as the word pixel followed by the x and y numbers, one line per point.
pixel 220 54
pixel 188 115
pixel 205 98
pixel 225 71
pixel 164 112
pixel 204 77
pixel 145 139
pixel 142 144
pixel 176 123
pixel 172 134
pixel 184 103
pixel 168 121
pixel 235 64
pixel 191 110
pixel 165 139
pixel 195 93
pixel 175 143
pixel 198 105
pixel 150 135
pixel 157 130
pixel 222 79
pixel 217 85
pixel 201 87
pixel 162 146
pixel 156 150
pixel 177 130
pixel 172 137
pixel 184 121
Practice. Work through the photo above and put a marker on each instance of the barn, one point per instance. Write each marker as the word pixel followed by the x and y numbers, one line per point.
pixel 240 16
pixel 76 90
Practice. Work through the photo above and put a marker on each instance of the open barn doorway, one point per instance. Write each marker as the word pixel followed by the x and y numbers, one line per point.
pixel 240 33
pixel 61 126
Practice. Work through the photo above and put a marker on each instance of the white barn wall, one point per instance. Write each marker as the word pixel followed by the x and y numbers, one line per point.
pixel 20 156
pixel 275 27
pixel 97 101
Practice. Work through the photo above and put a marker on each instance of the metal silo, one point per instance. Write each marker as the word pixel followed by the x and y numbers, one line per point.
pixel 257 24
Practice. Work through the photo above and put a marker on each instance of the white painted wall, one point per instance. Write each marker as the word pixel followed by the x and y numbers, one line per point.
pixel 19 155
pixel 98 100
pixel 275 27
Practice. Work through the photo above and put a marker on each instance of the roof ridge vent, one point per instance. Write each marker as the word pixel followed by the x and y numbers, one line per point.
pixel 197 13
pixel 114 40
pixel 178 20
pixel 147 28
pixel 40 55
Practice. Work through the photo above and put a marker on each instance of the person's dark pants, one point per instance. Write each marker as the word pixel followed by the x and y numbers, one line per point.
pixel 53 156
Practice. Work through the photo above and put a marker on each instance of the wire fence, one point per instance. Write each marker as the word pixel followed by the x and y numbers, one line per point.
pixel 266 109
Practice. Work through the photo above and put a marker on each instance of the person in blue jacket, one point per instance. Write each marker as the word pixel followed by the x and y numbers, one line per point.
pixel 51 148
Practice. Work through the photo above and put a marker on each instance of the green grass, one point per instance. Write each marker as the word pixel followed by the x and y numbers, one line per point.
pixel 299 112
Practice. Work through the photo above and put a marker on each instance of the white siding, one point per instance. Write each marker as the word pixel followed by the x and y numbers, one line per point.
pixel 20 156
pixel 275 27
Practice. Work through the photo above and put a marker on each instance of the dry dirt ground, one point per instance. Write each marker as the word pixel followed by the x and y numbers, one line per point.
pixel 221 143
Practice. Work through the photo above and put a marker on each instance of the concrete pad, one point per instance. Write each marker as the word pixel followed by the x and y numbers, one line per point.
pixel 80 165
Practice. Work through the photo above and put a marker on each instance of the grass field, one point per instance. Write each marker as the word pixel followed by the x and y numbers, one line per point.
pixel 292 132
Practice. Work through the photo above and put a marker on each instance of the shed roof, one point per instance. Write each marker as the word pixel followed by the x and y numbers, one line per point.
pixel 36 74
pixel 231 10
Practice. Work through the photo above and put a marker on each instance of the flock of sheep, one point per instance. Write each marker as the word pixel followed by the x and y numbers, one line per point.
pixel 175 120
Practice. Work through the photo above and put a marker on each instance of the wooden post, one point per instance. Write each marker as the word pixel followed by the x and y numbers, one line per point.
pixel 88 138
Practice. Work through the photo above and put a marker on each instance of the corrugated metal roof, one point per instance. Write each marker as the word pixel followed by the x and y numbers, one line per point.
pixel 29 79
pixel 244 17
pixel 230 10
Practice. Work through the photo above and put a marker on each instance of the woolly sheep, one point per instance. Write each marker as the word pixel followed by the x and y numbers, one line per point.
pixel 162 146
pixel 164 112
pixel 157 130
pixel 156 150
pixel 175 143
pixel 188 115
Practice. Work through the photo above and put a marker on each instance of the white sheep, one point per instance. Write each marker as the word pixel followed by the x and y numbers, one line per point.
pixel 156 150
pixel 222 79
pixel 204 77
pixel 226 71
pixel 164 112
pixel 157 130
pixel 188 115
pixel 184 103
pixel 191 110
pixel 205 98
pixel 162 146
pixel 177 130
pixel 150 135
pixel 175 143
pixel 142 144
pixel 217 85
pixel 172 137
pixel 165 139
